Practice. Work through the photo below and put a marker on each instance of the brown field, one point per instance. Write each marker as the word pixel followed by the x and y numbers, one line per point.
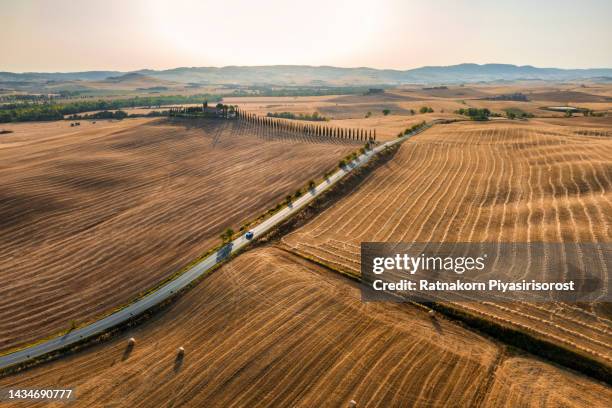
pixel 492 182
pixel 93 215
pixel 350 110
pixel 270 329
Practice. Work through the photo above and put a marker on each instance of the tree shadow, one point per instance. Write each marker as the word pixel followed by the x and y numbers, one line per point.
pixel 127 352
pixel 436 324
pixel 178 362
pixel 224 252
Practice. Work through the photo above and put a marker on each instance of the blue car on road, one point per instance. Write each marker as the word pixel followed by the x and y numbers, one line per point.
pixel 249 235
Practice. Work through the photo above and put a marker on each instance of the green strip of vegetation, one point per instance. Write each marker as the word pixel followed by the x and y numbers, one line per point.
pixel 516 113
pixel 411 129
pixel 315 117
pixel 25 112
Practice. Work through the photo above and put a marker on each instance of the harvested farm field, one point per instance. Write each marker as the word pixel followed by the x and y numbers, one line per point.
pixel 95 214
pixel 485 182
pixel 523 382
pixel 272 329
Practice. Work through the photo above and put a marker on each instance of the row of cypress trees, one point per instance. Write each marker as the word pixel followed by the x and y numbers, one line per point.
pixel 308 129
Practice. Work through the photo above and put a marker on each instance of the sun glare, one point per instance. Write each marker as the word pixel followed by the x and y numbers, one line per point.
pixel 213 33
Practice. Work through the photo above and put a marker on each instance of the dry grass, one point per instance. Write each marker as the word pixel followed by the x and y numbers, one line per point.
pixel 495 182
pixel 93 215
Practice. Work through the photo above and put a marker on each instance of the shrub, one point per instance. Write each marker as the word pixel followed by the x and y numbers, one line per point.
pixel 227 235
pixel 513 113
pixel 474 113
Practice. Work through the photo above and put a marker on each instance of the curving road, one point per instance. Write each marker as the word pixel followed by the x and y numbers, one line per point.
pixel 168 290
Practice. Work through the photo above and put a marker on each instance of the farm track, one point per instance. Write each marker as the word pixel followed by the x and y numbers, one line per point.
pixel 92 217
pixel 484 183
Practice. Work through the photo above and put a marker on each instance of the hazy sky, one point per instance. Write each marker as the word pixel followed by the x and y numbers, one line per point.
pixel 63 35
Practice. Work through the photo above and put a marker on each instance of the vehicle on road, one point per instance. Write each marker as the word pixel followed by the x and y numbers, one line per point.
pixel 249 235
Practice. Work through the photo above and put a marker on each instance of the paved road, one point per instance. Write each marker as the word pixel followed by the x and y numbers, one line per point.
pixel 190 275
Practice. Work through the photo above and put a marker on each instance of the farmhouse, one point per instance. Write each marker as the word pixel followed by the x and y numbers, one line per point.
pixel 218 111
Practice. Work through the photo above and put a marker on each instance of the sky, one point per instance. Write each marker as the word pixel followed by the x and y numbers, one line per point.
pixel 71 35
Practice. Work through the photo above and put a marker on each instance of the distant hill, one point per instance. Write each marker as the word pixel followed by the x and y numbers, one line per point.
pixel 137 80
pixel 58 76
pixel 325 75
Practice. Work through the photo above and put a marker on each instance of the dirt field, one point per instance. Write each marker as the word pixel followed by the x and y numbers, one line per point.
pixel 93 215
pixel 271 329
pixel 492 182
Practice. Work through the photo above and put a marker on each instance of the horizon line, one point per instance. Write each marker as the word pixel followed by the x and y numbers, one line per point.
pixel 304 65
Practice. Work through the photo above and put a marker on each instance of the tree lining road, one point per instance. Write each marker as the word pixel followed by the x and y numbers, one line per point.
pixel 169 289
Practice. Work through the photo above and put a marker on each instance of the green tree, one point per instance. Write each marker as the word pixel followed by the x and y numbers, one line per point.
pixel 386 112
pixel 227 235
